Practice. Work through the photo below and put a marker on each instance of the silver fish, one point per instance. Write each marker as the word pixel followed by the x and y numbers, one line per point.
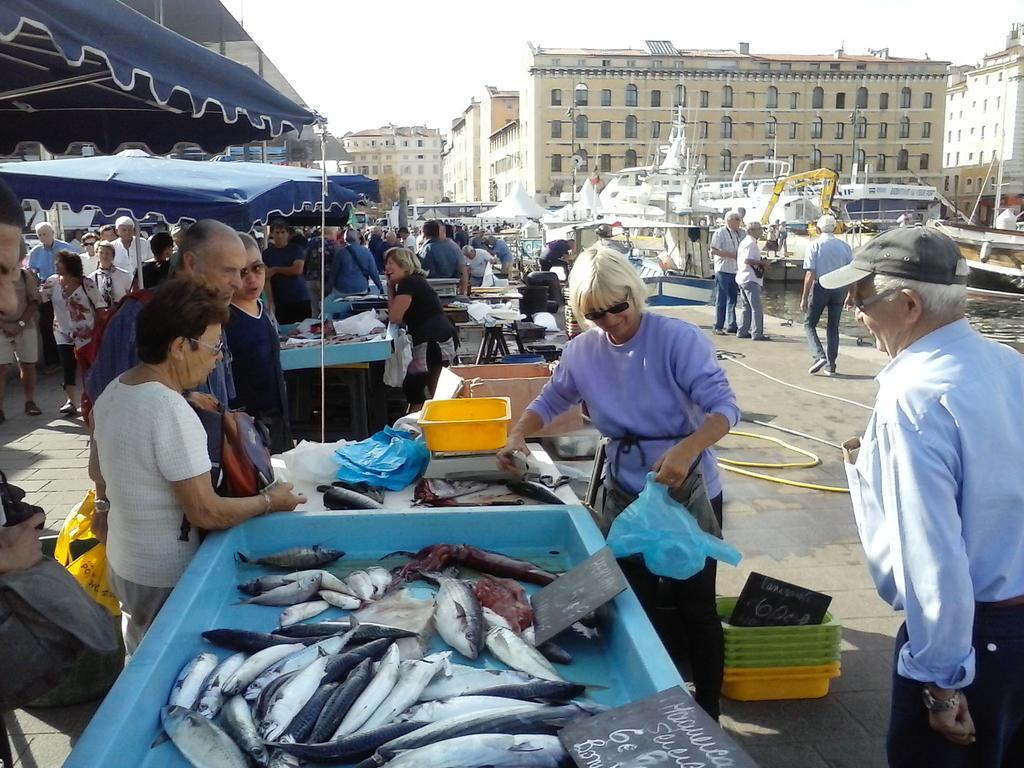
pixel 458 617
pixel 281 759
pixel 381 580
pixel 211 699
pixel 345 498
pixel 341 700
pixel 384 679
pixel 289 594
pixel 192 680
pixel 256 664
pixel 456 706
pixel 301 611
pixel 327 581
pixel 340 600
pixel 494 750
pixel 296 557
pixel 291 698
pixel 361 585
pixel 296 661
pixel 414 676
pixel 462 681
pixel 238 722
pixel 266 583
pixel 202 743
pixel 510 648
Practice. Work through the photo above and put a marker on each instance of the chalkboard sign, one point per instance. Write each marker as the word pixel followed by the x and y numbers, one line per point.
pixel 668 729
pixel 768 602
pixel 576 593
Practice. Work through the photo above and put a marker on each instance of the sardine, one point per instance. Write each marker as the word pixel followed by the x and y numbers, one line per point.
pixel 238 722
pixel 378 689
pixel 243 640
pixel 443 709
pixel 413 677
pixel 192 681
pixel 291 698
pixel 303 723
pixel 201 742
pixel 458 617
pixel 510 648
pixel 556 654
pixel 341 701
pixel 343 663
pixel 301 611
pixel 281 759
pixel 463 681
pixel 296 557
pixel 289 594
pixel 295 662
pixel 345 498
pixel 212 698
pixel 256 664
pixel 493 750
pixel 381 580
pixel 349 748
pixel 361 585
pixel 340 600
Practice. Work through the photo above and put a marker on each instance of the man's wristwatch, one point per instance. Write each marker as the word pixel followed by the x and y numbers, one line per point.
pixel 933 704
pixel 21 323
pixel 102 505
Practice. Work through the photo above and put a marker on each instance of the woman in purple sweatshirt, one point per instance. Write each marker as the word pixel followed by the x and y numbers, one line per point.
pixel 652 385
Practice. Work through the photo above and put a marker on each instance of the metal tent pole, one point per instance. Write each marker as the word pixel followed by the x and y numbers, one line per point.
pixel 322 130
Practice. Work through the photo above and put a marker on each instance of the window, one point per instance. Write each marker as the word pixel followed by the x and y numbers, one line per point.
pixel 419 142
pixel 883 101
pixel 981 158
pixel 769 128
pixel 655 130
pixel 582 95
pixel 982 131
pixel 606 62
pixel 556 97
pixel 880 165
pixel 922 163
pixel 901 160
pixel 726 161
pixel 862 159
pixel 606 97
pixel 584 157
pixel 702 129
pixel 957 158
pixel 958 134
pixel 816 128
pixel 679 96
pixel 840 100
pixel 630 95
pixel 655 98
pixel 883 130
pixel 905 128
pixel 837 163
pixel 861 66
pixel 630 127
pixel 630 158
pixel 947 158
pixel 726 132
pixel 606 129
pixel 840 127
pixel 794 100
pixel 815 158
pixel 766 65
pixel 785 66
pixel 727 96
pixel 833 66
pixel 928 101
pixel 792 130
pixel 773 98
pixel 860 128
pixel 926 130
pixel 704 162
pixel 606 163
pixel 945 184
pixel 984 105
pixel 862 98
pixel 818 98
pixel 815 65
pixel 556 129
pixel 582 126
pixel 970 182
pixel 949 136
pixel 904 104
pixel 705 98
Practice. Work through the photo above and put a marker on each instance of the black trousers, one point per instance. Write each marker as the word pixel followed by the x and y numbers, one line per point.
pixel 420 386
pixel 6 758
pixel 68 363
pixel 50 355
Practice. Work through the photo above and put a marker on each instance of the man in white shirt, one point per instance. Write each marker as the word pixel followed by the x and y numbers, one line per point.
pixel 750 280
pixel 724 245
pixel 112 282
pixel 130 249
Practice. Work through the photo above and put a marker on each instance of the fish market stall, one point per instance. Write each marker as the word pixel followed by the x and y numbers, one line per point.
pixel 619 661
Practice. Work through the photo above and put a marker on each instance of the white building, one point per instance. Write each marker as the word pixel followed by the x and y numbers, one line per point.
pixel 408 156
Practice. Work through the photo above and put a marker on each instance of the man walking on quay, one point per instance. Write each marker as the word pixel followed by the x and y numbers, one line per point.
pixel 724 245
pixel 826 254
pixel 938 503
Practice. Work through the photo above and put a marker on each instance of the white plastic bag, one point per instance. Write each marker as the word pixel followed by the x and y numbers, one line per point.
pixel 312 463
pixel 362 324
pixel 488 278
pixel 396 365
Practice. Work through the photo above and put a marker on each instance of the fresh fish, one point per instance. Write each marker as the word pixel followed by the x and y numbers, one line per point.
pixel 296 557
pixel 265 583
pixel 327 581
pixel 295 662
pixel 192 681
pixel 556 654
pixel 437 557
pixel 493 750
pixel 381 580
pixel 510 648
pixel 238 722
pixel 289 594
pixel 281 759
pixel 320 629
pixel 365 633
pixel 256 664
pixel 399 609
pixel 261 705
pixel 202 743
pixel 507 598
pixel 303 723
pixel 340 600
pixel 341 700
pixel 456 706
pixel 349 748
pixel 243 640
pixel 384 679
pixel 292 697
pixel 361 585
pixel 413 677
pixel 535 491
pixel 464 681
pixel 212 699
pixel 343 663
pixel 345 498
pixel 301 611
pixel 458 617
pixel 540 690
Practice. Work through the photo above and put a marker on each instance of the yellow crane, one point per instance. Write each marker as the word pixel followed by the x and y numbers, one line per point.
pixel 825 176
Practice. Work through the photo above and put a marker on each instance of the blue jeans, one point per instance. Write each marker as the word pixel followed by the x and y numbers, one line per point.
pixel 752 306
pixel 995 700
pixel 726 292
pixel 822 298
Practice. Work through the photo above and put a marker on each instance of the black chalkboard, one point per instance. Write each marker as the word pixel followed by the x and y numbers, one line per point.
pixel 576 593
pixel 666 729
pixel 768 602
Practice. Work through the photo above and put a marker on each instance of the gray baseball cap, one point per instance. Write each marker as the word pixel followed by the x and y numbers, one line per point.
pixel 913 253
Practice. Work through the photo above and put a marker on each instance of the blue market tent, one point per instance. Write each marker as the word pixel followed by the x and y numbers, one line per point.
pixel 239 194
pixel 97 71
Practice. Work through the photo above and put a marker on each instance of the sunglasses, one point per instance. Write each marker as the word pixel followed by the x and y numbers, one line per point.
pixel 256 269
pixel 597 314
pixel 215 348
pixel 862 304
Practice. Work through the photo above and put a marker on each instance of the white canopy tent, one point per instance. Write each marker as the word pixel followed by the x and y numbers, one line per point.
pixel 516 205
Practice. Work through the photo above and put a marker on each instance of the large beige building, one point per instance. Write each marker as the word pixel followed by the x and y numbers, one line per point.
pixel 470 171
pixel 408 156
pixel 985 128
pixel 612 109
pixel 462 156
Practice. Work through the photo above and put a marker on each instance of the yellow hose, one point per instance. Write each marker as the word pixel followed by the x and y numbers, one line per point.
pixel 731 465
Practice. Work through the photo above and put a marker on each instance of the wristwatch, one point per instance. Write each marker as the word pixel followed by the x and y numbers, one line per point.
pixel 933 704
pixel 102 505
pixel 21 323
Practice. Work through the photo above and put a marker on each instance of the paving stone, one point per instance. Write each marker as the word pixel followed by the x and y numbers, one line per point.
pixel 853 753
pixel 864 671
pixel 859 603
pixel 785 755
pixel 799 720
pixel 869 708
pixel 47 750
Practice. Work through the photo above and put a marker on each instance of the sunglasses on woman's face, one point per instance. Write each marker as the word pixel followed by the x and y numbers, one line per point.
pixel 255 269
pixel 597 314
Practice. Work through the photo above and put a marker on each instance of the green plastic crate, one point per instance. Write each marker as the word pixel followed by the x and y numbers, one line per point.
pixel 827 630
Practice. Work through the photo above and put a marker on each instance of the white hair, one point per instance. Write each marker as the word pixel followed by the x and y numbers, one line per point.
pixel 734 214
pixel 827 223
pixel 944 303
pixel 468 250
pixel 43 225
pixel 754 226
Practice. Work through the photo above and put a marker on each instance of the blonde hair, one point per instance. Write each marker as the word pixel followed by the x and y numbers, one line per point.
pixel 405 260
pixel 601 277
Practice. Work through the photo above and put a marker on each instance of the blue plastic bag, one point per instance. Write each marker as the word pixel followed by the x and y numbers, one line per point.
pixel 390 459
pixel 665 533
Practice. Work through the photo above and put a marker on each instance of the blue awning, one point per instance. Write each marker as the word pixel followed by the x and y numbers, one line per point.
pixel 97 71
pixel 239 194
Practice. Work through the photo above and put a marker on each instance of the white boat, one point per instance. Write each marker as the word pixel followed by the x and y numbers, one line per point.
pixel 885 203
pixel 995 255
pixel 751 189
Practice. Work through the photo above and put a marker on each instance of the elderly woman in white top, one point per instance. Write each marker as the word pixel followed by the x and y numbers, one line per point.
pixel 149 457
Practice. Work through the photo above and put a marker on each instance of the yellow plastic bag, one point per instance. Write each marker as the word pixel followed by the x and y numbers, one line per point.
pixel 89 569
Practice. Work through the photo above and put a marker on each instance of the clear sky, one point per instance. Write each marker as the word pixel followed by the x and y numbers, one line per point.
pixel 364 65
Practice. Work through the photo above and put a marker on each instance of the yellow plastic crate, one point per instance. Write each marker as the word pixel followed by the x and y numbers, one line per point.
pixel 778 683
pixel 466 424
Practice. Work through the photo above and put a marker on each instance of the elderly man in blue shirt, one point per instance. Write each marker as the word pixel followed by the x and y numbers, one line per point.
pixel 940 504
pixel 826 254
pixel 42 260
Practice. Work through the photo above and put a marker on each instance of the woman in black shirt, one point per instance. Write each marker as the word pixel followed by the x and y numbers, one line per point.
pixel 413 302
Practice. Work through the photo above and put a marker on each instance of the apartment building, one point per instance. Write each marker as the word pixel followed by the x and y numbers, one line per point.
pixel 469 168
pixel 408 156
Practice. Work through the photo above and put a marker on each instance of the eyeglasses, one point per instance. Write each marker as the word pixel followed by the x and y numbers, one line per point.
pixel 215 348
pixel 597 314
pixel 862 304
pixel 256 269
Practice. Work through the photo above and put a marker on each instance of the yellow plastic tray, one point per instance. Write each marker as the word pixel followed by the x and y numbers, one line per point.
pixel 778 683
pixel 466 424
